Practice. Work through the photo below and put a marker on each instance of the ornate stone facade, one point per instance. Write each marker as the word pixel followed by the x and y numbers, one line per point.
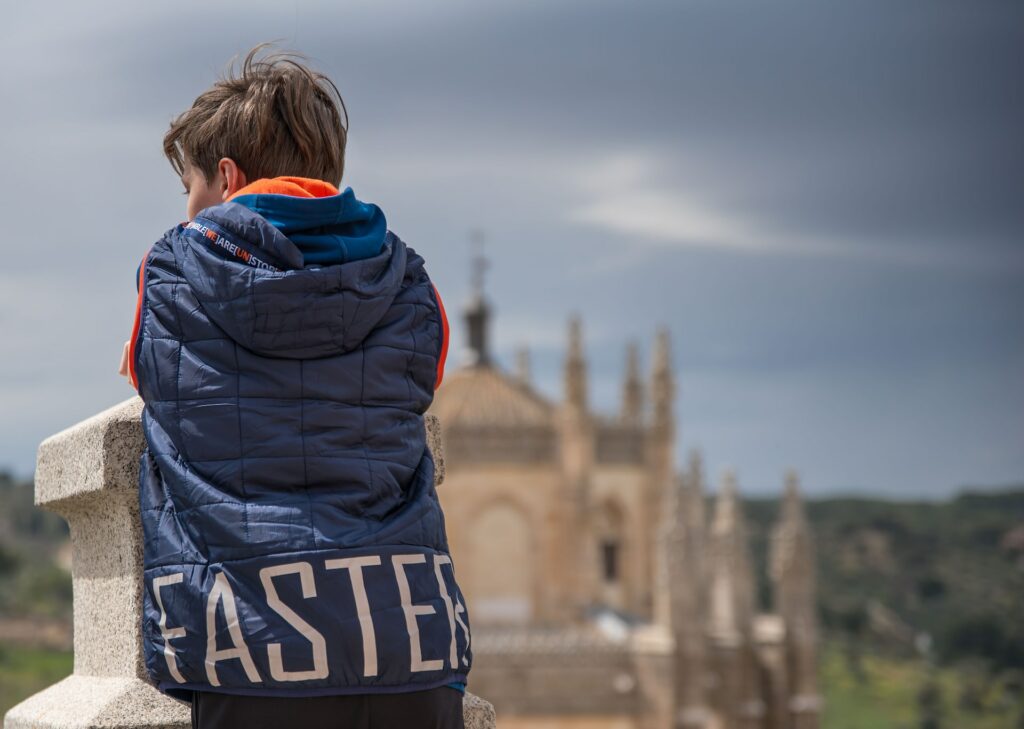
pixel 600 595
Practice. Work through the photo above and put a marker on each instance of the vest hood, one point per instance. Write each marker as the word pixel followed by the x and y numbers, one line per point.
pixel 249 278
pixel 327 226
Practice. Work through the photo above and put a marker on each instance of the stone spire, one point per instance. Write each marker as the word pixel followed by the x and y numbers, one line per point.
pixel 663 386
pixel 478 310
pixel 632 387
pixel 731 599
pixel 685 525
pixel 660 447
pixel 731 612
pixel 794 585
pixel 576 367
pixel 578 456
pixel 523 365
pixel 684 578
pixel 694 480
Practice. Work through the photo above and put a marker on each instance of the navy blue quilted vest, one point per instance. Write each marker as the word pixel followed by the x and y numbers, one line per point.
pixel 294 543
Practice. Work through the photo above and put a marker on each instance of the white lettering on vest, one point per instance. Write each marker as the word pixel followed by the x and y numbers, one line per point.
pixel 459 609
pixel 412 611
pixel 305 572
pixel 440 559
pixel 168 634
pixel 355 566
pixel 222 592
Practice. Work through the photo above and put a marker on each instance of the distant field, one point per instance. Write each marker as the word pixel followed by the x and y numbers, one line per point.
pixel 885 693
pixel 23 671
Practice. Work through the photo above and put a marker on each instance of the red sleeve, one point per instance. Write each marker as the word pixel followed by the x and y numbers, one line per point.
pixel 133 342
pixel 444 340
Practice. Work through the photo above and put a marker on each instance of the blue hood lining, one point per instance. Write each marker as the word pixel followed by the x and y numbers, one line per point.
pixel 327 230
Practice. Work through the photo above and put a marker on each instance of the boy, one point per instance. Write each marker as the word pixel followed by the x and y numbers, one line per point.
pixel 286 346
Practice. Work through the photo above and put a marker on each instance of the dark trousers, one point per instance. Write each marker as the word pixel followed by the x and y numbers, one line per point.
pixel 439 708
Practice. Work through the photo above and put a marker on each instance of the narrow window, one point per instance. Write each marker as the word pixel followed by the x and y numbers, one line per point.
pixel 610 560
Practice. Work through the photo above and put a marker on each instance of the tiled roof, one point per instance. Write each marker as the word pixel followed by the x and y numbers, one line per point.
pixel 484 396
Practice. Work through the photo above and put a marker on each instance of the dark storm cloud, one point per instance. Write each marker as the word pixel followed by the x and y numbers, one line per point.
pixel 822 201
pixel 891 123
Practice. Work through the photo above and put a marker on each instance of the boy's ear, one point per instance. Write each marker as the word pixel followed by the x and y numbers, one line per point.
pixel 231 176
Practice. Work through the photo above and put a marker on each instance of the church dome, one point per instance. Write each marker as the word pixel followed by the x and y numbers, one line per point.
pixel 498 418
pixel 484 397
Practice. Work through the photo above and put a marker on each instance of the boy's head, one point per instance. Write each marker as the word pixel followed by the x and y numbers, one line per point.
pixel 274 117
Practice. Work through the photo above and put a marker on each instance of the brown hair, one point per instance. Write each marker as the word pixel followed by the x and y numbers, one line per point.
pixel 275 117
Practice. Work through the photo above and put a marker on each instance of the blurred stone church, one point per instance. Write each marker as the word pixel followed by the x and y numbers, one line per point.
pixel 601 594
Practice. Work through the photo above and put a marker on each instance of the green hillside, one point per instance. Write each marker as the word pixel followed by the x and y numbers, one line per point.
pixel 921 607
pixel 896 576
pixel 35 596
pixel 882 692
pixel 31 583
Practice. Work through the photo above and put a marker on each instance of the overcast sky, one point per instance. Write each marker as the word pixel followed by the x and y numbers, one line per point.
pixel 824 203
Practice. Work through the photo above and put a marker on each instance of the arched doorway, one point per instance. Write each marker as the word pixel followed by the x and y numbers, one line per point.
pixel 501 566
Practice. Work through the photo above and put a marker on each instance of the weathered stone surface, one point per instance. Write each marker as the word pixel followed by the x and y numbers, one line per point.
pixel 98 454
pixel 477 713
pixel 92 701
pixel 434 444
pixel 89 475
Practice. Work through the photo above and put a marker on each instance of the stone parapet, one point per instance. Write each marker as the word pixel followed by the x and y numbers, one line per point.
pixel 541 674
pixel 89 475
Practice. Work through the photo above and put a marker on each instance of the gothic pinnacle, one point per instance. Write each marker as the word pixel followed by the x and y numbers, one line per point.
pixel 576 367
pixel 695 470
pixel 725 503
pixel 662 382
pixel 632 387
pixel 792 507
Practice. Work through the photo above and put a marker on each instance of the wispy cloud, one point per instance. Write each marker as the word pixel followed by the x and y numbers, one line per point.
pixel 633 195
pixel 666 217
pixel 627 195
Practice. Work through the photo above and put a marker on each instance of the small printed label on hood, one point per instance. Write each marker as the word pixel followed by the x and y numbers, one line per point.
pixel 222 244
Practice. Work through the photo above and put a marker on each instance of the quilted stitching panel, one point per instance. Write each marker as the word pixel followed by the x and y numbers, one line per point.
pixel 321 440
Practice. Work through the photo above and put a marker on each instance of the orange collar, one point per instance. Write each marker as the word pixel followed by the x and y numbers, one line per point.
pixel 292 186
